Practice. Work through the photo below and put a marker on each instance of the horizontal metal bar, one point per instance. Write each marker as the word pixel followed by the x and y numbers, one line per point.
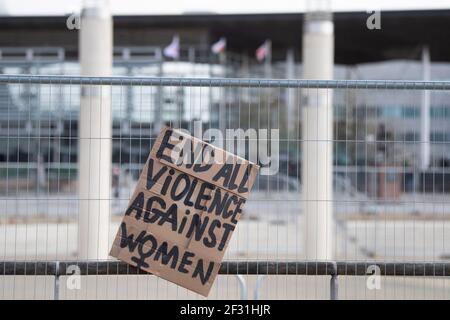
pixel 227 82
pixel 310 268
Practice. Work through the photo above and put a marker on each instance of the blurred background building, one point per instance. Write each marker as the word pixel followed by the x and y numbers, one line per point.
pixel 36 44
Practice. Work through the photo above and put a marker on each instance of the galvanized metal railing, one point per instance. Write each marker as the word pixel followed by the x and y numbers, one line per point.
pixel 227 82
pixel 364 222
pixel 260 268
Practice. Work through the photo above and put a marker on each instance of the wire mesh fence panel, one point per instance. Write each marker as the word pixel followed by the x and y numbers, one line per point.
pixel 353 191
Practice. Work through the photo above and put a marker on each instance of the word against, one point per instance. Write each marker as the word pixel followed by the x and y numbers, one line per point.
pixel 73 22
pixel 373 281
pixel 374 20
pixel 228 309
pixel 182 215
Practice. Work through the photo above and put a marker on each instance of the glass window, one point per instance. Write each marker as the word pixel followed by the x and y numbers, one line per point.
pixel 440 112
pixel 390 177
pixel 410 112
pixel 439 136
pixel 412 136
pixel 391 111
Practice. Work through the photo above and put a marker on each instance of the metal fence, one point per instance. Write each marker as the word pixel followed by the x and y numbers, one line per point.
pixel 387 211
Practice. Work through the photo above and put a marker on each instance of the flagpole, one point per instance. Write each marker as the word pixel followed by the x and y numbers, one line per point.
pixel 268 60
pixel 211 75
pixel 222 113
pixel 244 66
pixel 290 92
pixel 157 125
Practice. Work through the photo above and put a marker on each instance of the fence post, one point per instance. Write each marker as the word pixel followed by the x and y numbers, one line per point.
pixel 258 286
pixel 334 287
pixel 56 284
pixel 242 286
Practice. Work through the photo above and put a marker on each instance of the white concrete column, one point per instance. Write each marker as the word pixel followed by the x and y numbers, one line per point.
pixel 317 135
pixel 158 105
pixel 425 114
pixel 94 155
pixel 222 92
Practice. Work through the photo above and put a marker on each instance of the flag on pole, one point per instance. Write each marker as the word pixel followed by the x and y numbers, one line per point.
pixel 219 46
pixel 263 51
pixel 173 49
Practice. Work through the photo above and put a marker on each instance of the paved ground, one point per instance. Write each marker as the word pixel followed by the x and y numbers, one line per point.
pixel 421 240
pixel 261 205
pixel 415 228
pixel 225 287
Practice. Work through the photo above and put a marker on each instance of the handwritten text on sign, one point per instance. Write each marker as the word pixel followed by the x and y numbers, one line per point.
pixel 184 210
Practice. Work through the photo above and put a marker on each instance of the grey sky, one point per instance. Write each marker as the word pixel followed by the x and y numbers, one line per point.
pixel 59 7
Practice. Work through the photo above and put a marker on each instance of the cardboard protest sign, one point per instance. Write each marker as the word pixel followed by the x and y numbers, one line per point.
pixel 183 212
